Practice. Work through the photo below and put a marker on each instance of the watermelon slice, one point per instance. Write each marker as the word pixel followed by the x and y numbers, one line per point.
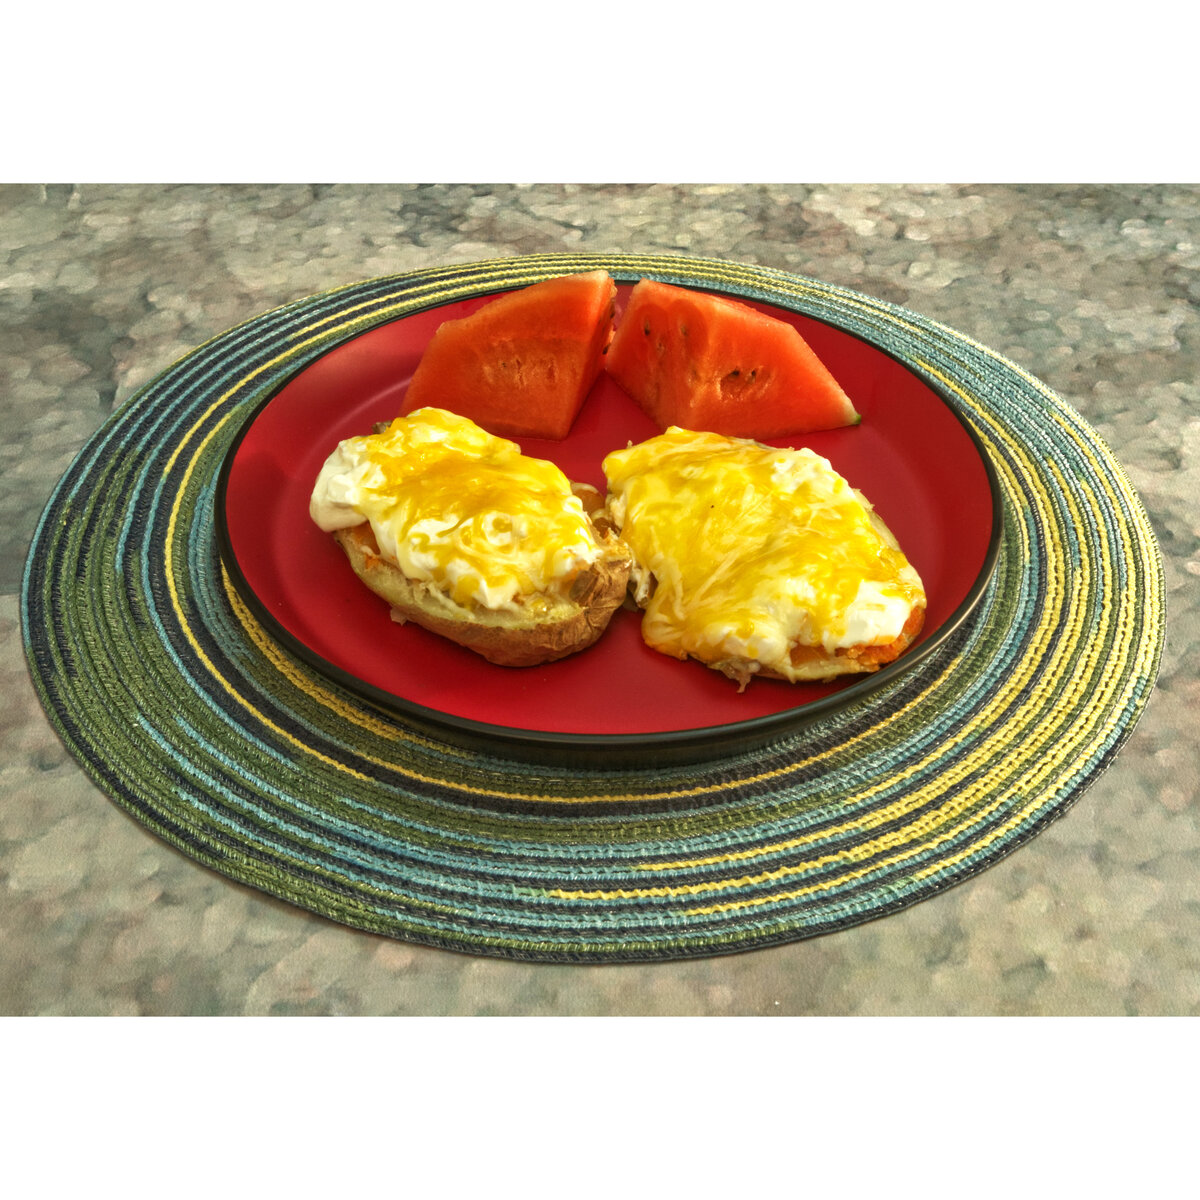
pixel 521 365
pixel 707 363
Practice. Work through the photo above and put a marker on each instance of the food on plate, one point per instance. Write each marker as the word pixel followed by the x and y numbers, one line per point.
pixel 708 363
pixel 759 561
pixel 522 365
pixel 469 538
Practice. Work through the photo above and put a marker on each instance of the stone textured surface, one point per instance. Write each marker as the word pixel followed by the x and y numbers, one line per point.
pixel 1094 289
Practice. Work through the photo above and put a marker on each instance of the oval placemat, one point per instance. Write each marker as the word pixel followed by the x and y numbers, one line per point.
pixel 194 720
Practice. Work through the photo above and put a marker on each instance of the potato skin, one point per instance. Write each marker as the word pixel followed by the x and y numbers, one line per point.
pixel 562 625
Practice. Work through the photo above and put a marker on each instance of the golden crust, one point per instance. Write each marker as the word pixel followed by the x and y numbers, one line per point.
pixel 545 629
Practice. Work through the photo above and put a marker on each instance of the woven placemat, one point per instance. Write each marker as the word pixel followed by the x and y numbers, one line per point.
pixel 183 710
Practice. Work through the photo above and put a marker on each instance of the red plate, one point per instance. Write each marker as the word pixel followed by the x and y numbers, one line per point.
pixel 912 456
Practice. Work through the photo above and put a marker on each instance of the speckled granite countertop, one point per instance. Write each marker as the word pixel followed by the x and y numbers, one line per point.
pixel 1093 289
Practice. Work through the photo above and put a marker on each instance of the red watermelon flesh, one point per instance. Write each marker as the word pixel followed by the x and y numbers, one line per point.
pixel 704 362
pixel 521 365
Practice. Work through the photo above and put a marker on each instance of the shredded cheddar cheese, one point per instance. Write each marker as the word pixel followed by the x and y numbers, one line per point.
pixel 746 551
pixel 452 504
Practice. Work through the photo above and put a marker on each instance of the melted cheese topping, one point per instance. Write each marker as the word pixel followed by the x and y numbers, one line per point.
pixel 744 551
pixel 455 506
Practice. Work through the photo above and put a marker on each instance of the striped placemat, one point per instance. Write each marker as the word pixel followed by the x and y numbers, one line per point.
pixel 191 718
